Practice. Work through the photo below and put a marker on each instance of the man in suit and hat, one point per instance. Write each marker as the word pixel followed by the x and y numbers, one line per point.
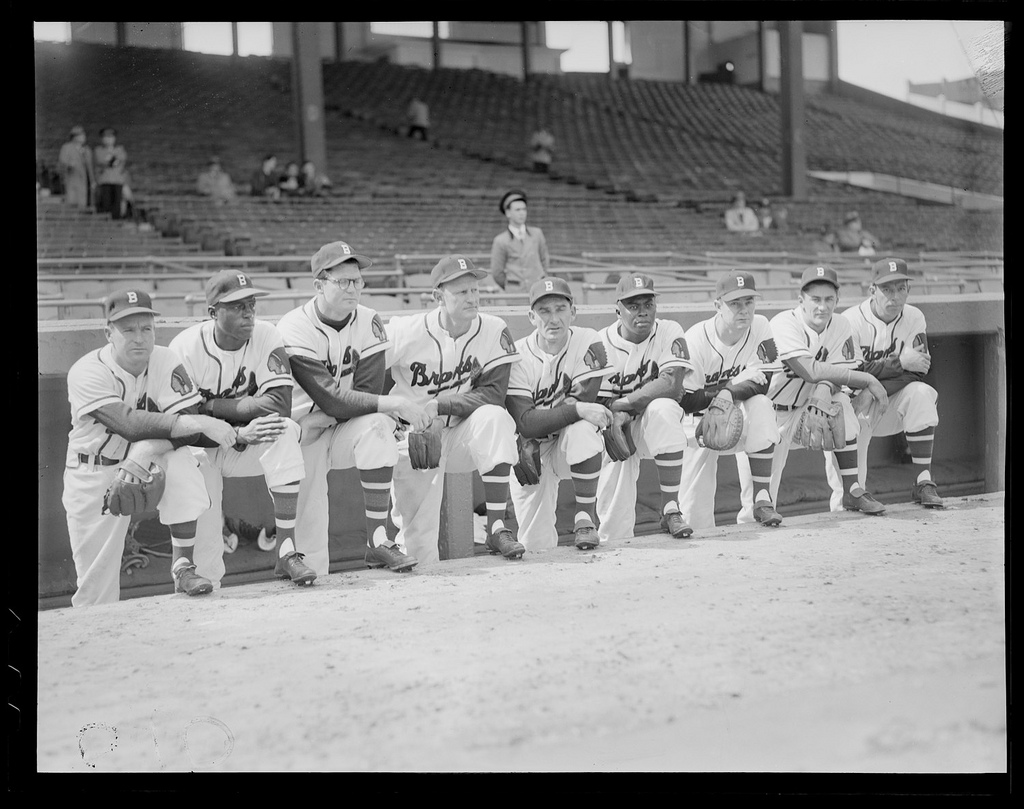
pixel 519 254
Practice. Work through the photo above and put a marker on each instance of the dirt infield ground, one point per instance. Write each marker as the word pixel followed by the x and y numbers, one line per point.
pixel 835 643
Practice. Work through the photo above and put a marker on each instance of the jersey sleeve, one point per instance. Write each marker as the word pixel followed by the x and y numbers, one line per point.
pixel 273 369
pixel 91 385
pixel 674 351
pixel 299 335
pixel 695 342
pixel 789 335
pixel 520 381
pixel 373 335
pixel 395 331
pixel 766 350
pixel 171 386
pixel 498 348
pixel 592 362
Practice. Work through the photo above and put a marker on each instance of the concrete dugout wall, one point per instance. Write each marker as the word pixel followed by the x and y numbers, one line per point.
pixel 966 335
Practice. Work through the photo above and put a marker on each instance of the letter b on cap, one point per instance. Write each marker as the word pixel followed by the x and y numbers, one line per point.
pixel 740 281
pixel 821 272
pixel 638 283
pixel 892 266
pixel 462 263
pixel 548 286
pixel 133 298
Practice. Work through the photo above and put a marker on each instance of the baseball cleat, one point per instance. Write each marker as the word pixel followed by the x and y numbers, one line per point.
pixel 389 556
pixel 586 535
pixel 187 581
pixel 674 523
pixel 291 566
pixel 504 542
pixel 927 494
pixel 765 513
pixel 863 502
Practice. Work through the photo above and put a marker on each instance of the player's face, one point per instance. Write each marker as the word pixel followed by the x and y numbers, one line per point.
pixel 236 319
pixel 738 313
pixel 817 302
pixel 888 298
pixel 460 299
pixel 133 338
pixel 516 213
pixel 340 289
pixel 552 316
pixel 636 317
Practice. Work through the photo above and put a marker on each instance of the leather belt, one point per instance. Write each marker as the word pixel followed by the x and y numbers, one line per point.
pixel 97 459
pixel 783 407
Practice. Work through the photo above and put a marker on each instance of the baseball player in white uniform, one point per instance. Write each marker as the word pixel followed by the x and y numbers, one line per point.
pixel 893 340
pixel 819 356
pixel 650 361
pixel 241 368
pixel 337 351
pixel 552 395
pixel 735 356
pixel 454 361
pixel 128 400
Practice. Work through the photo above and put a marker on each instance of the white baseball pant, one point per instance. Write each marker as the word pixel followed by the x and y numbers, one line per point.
pixel 535 506
pixel 658 430
pixel 97 540
pixel 278 461
pixel 699 481
pixel 911 409
pixel 486 438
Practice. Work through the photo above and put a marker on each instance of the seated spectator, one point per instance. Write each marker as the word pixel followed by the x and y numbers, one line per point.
pixel 216 183
pixel 288 182
pixel 265 178
pixel 740 218
pixel 312 182
pixel 825 242
pixel 418 116
pixel 852 238
pixel 542 147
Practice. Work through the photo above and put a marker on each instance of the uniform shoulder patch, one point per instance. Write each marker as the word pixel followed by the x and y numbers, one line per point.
pixel 377 327
pixel 921 342
pixel 680 349
pixel 507 343
pixel 849 349
pixel 596 356
pixel 181 382
pixel 766 352
pixel 278 362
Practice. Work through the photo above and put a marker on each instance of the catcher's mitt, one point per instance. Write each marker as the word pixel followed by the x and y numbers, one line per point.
pixel 528 469
pixel 425 446
pixel 721 425
pixel 821 426
pixel 618 442
pixel 135 489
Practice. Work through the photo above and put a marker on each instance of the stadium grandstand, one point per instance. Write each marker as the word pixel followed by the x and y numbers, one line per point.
pixel 645 167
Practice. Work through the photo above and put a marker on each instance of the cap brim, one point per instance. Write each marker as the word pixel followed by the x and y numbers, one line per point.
pixel 733 294
pixel 895 276
pixel 475 272
pixel 638 294
pixel 134 310
pixel 241 294
pixel 362 261
pixel 552 295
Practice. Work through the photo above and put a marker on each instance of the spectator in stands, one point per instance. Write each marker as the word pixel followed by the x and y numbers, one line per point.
pixel 289 181
pixel 542 147
pixel 216 183
pixel 75 166
pixel 519 255
pixel 825 241
pixel 265 178
pixel 312 182
pixel 109 162
pixel 418 115
pixel 127 198
pixel 740 218
pixel 852 238
pixel 771 218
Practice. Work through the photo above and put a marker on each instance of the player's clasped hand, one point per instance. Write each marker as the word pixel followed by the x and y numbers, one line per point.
pixel 752 374
pixel 876 390
pixel 262 429
pixel 214 429
pixel 915 361
pixel 597 414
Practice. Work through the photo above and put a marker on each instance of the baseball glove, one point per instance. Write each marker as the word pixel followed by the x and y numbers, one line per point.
pixel 721 425
pixel 618 442
pixel 425 446
pixel 821 426
pixel 528 469
pixel 134 490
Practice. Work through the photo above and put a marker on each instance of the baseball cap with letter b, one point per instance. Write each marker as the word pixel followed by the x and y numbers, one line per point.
pixel 230 285
pixel 736 284
pixel 819 272
pixel 451 267
pixel 633 285
pixel 550 285
pixel 331 255
pixel 126 302
pixel 889 269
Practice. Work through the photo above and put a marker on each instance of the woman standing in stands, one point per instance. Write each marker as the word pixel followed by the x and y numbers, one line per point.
pixel 109 160
pixel 75 165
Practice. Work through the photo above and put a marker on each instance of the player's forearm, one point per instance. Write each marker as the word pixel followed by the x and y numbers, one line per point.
pixel 490 389
pixel 136 425
pixel 369 374
pixel 897 383
pixel 667 385
pixel 276 401
pixel 741 391
pixel 883 369
pixel 327 394
pixel 812 371
pixel 534 422
pixel 696 401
